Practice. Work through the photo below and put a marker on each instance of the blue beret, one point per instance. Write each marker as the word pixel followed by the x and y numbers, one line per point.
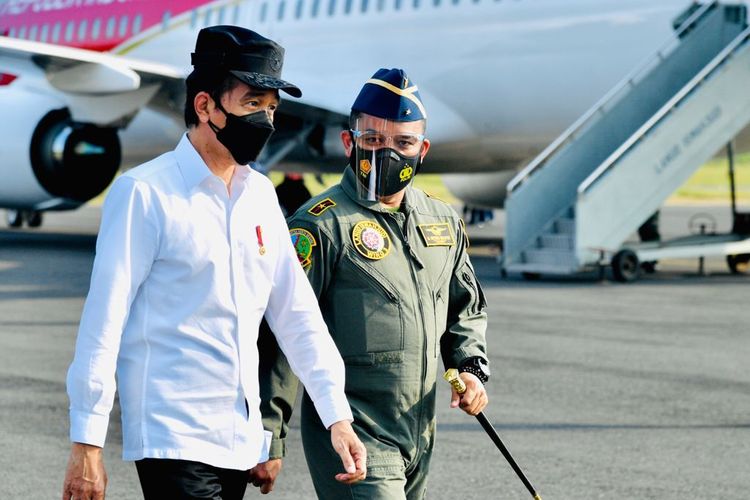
pixel 389 94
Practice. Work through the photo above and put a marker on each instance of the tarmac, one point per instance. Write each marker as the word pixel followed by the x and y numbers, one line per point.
pixel 599 389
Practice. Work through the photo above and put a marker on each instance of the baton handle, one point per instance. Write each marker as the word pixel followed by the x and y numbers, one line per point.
pixel 455 381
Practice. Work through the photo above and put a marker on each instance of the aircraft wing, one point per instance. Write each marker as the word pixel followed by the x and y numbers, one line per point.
pixel 100 88
pixel 108 90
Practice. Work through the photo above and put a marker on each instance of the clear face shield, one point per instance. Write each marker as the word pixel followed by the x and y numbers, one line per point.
pixel 385 156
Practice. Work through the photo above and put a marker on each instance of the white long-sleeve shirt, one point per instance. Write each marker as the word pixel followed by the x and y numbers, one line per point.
pixel 184 272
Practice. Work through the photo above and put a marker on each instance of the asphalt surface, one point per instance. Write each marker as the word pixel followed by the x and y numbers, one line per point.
pixel 600 390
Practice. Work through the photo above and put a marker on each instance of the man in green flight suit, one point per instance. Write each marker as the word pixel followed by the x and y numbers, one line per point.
pixel 394 282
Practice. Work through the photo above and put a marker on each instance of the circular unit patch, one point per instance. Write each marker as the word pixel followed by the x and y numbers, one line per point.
pixel 371 240
pixel 303 242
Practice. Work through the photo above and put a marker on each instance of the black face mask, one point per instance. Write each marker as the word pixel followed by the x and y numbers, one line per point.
pixel 393 171
pixel 244 136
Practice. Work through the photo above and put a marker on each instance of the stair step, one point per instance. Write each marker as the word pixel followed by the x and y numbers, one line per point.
pixel 564 226
pixel 556 241
pixel 549 257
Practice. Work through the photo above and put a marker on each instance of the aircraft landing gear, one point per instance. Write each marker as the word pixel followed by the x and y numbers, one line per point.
pixel 33 218
pixel 16 218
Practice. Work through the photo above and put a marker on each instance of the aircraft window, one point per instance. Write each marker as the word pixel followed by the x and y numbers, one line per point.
pixel 110 32
pixel 280 14
pixel 300 6
pixel 236 14
pixel 32 32
pixel 455 2
pixel 315 8
pixel 397 5
pixel 416 4
pixel 69 29
pixel 22 32
pixel 137 23
pixel 44 33
pixel 347 6
pixel 436 3
pixel 96 28
pixel 221 15
pixel 82 30
pixel 381 5
pixel 123 26
pixel 331 7
pixel 207 18
pixel 194 18
pixel 165 20
pixel 263 12
pixel 56 29
pixel 364 6
pixel 12 32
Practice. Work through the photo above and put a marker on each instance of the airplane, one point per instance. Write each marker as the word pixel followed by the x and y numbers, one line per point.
pixel 89 87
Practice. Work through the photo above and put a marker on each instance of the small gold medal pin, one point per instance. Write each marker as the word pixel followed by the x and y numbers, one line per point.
pixel 259 234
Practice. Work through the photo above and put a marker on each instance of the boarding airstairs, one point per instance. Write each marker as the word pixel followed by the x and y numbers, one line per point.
pixel 574 206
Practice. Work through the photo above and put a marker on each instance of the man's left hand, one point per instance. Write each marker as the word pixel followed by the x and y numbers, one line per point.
pixel 264 475
pixel 352 452
pixel 474 400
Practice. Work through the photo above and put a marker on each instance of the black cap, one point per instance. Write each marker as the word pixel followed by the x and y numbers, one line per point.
pixel 253 59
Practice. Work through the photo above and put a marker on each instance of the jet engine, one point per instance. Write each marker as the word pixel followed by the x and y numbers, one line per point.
pixel 73 161
pixel 47 160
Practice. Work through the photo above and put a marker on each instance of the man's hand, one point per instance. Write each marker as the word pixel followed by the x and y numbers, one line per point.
pixel 85 477
pixel 474 400
pixel 351 450
pixel 264 475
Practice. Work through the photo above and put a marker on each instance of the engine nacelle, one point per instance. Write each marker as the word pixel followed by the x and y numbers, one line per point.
pixel 47 161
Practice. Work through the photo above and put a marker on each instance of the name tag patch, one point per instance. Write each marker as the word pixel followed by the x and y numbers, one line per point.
pixel 437 235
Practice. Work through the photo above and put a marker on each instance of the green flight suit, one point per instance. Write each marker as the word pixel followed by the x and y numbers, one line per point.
pixel 396 290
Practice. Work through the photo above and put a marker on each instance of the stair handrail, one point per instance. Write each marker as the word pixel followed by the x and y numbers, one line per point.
pixel 627 81
pixel 639 134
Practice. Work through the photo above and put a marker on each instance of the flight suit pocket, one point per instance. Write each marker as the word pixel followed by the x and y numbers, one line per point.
pixel 368 323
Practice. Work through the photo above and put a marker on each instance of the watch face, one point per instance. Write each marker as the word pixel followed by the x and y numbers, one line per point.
pixel 477 366
pixel 484 367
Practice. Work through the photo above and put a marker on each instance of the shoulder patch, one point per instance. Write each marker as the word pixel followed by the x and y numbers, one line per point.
pixel 303 241
pixel 371 240
pixel 320 207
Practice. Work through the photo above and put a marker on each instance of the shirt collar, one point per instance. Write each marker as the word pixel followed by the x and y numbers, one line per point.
pixel 349 185
pixel 195 171
pixel 192 167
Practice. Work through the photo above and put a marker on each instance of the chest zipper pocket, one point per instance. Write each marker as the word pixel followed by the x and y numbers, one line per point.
pixel 377 313
pixel 372 280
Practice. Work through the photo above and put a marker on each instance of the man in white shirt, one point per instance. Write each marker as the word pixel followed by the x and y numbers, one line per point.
pixel 192 253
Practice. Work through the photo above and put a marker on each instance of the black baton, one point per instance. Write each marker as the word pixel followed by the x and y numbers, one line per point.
pixel 452 377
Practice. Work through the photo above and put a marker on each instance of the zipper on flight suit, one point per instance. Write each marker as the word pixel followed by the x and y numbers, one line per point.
pixel 405 238
pixel 438 298
pixel 479 300
pixel 372 279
